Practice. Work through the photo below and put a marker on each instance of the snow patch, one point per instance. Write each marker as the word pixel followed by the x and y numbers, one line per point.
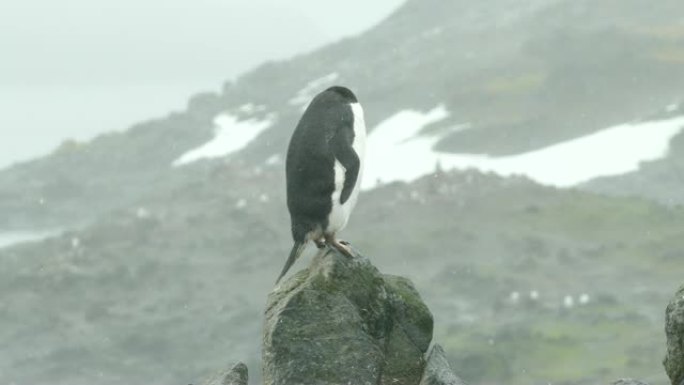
pixel 230 135
pixel 305 95
pixel 142 213
pixel 584 299
pixel 568 302
pixel 396 153
pixel 251 108
pixel 9 238
pixel 273 160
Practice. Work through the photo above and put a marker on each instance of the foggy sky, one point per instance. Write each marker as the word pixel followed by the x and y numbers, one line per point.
pixel 74 68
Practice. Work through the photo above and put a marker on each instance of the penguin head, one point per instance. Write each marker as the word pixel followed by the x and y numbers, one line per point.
pixel 344 93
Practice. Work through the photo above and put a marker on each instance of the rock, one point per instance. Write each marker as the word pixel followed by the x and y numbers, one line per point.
pixel 340 321
pixel 438 371
pixel 237 375
pixel 674 329
pixel 628 381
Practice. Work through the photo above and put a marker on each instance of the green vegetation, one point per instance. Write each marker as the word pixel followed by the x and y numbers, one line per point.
pixel 163 272
pixel 183 287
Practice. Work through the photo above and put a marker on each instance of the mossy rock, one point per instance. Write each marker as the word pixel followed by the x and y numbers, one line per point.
pixel 340 321
pixel 674 329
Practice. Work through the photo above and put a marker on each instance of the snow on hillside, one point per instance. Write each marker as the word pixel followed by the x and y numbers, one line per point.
pixel 231 135
pixel 304 96
pixel 9 238
pixel 396 153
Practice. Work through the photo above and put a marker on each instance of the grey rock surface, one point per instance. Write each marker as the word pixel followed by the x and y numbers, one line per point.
pixel 236 375
pixel 674 330
pixel 340 321
pixel 628 381
pixel 438 371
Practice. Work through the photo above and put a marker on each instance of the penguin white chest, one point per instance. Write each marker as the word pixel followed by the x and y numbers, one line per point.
pixel 339 215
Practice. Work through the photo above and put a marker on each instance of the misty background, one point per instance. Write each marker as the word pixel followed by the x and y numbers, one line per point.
pixel 76 68
pixel 524 169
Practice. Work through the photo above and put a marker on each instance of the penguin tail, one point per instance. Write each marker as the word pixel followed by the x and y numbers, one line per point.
pixel 294 255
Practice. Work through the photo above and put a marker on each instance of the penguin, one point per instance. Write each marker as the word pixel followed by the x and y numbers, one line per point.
pixel 323 170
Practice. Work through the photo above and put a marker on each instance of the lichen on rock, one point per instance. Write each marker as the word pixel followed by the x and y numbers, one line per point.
pixel 236 375
pixel 340 321
pixel 674 329
pixel 438 371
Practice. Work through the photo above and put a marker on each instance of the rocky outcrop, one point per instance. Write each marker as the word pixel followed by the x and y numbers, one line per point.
pixel 437 371
pixel 236 375
pixel 674 329
pixel 340 321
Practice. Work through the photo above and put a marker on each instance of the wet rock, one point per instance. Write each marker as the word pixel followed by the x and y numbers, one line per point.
pixel 237 375
pixel 438 371
pixel 340 321
pixel 674 329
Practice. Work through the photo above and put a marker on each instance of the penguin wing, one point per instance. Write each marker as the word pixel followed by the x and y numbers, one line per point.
pixel 343 151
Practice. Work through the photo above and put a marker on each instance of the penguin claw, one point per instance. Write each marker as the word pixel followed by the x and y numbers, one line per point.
pixel 320 244
pixel 343 248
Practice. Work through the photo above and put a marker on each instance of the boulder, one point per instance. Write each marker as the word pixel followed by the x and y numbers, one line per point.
pixel 236 375
pixel 340 321
pixel 674 329
pixel 438 371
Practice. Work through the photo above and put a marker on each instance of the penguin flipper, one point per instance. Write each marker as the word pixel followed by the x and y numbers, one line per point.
pixel 344 152
pixel 294 255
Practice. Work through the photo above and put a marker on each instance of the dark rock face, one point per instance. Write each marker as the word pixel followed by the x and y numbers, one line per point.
pixel 438 371
pixel 237 375
pixel 340 321
pixel 674 329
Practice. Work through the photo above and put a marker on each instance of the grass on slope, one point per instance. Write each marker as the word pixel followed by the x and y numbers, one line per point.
pixel 172 292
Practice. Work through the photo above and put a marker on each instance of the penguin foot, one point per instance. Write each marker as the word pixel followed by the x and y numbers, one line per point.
pixel 342 247
pixel 343 242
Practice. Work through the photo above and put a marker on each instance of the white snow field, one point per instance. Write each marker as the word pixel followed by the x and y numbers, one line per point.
pixel 304 96
pixel 9 238
pixel 231 135
pixel 396 153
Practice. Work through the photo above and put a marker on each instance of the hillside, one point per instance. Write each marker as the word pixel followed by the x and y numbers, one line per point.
pixel 520 78
pixel 661 180
pixel 171 292
pixel 175 229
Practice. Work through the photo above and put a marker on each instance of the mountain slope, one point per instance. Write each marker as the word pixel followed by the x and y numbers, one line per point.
pixel 661 180
pixel 521 77
pixel 169 292
pixel 165 262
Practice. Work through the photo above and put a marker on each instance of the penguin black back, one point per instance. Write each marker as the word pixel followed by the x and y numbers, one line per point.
pixel 323 165
pixel 310 159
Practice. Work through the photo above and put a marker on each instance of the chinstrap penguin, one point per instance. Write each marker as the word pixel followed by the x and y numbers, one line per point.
pixel 323 170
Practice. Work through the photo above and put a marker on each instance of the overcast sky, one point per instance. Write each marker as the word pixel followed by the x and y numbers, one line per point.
pixel 75 68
